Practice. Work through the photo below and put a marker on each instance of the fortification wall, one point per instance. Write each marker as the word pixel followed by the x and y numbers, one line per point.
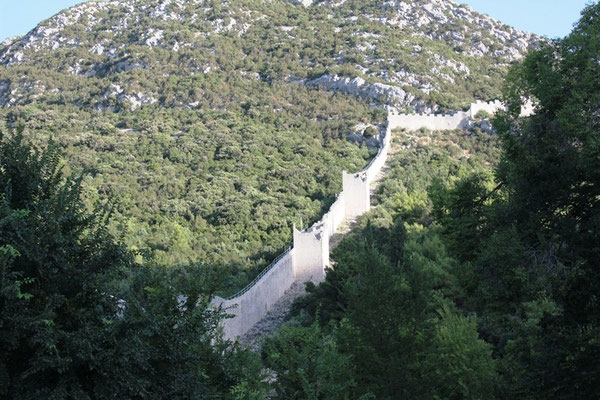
pixel 356 193
pixel 434 122
pixel 528 109
pixel 490 107
pixel 439 122
pixel 309 257
pixel 250 307
pixel 311 253
pixel 377 163
pixel 335 215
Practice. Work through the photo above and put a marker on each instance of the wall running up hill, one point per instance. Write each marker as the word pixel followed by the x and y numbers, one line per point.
pixel 307 259
pixel 434 122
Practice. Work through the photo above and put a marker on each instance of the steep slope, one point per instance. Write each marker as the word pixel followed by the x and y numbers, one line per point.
pixel 216 125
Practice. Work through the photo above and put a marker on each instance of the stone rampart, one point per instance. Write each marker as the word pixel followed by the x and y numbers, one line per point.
pixel 356 193
pixel 309 256
pixel 336 214
pixel 378 161
pixel 490 107
pixel 439 122
pixel 528 108
pixel 311 252
pixel 252 303
pixel 434 122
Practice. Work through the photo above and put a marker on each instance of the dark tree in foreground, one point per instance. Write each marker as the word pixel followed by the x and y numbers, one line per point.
pixel 382 316
pixel 79 319
pixel 551 165
pixel 536 253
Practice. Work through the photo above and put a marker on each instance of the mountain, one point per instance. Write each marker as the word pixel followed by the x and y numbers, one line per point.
pixel 421 52
pixel 216 125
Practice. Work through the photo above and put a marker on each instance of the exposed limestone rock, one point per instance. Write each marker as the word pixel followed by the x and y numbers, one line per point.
pixel 304 3
pixel 376 91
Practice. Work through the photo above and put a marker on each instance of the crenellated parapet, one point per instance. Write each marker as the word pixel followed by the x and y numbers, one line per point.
pixel 308 257
pixel 311 253
pixel 490 107
pixel 356 191
pixel 434 122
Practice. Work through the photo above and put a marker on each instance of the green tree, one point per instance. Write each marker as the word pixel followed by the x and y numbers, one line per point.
pixel 382 298
pixel 533 240
pixel 460 364
pixel 551 165
pixel 308 364
pixel 386 328
pixel 79 319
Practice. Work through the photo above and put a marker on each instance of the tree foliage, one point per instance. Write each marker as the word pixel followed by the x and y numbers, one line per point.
pixel 79 319
pixel 535 252
pixel 511 239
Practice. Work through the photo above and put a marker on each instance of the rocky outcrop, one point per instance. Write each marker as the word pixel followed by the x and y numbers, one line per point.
pixel 381 92
pixel 304 3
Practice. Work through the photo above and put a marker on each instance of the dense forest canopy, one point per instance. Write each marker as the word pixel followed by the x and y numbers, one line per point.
pixel 215 126
pixel 79 318
pixel 213 187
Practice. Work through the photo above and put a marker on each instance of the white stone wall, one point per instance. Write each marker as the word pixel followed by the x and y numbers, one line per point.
pixel 309 257
pixel 434 122
pixel 377 163
pixel 356 193
pixel 252 306
pixel 311 253
pixel 439 122
pixel 335 215
pixel 491 107
pixel 528 109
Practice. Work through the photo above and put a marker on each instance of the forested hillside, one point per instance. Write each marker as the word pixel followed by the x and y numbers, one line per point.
pixel 154 153
pixel 219 187
pixel 387 309
pixel 214 126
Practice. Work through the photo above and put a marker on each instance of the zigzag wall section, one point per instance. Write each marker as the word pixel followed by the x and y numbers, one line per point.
pixel 309 256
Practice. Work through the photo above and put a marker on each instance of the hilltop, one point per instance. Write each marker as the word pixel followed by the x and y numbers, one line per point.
pixel 414 54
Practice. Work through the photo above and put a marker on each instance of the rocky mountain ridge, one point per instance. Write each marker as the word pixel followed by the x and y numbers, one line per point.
pixel 412 54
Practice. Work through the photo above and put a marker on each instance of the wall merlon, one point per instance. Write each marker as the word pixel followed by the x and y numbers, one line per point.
pixel 311 255
pixel 356 191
